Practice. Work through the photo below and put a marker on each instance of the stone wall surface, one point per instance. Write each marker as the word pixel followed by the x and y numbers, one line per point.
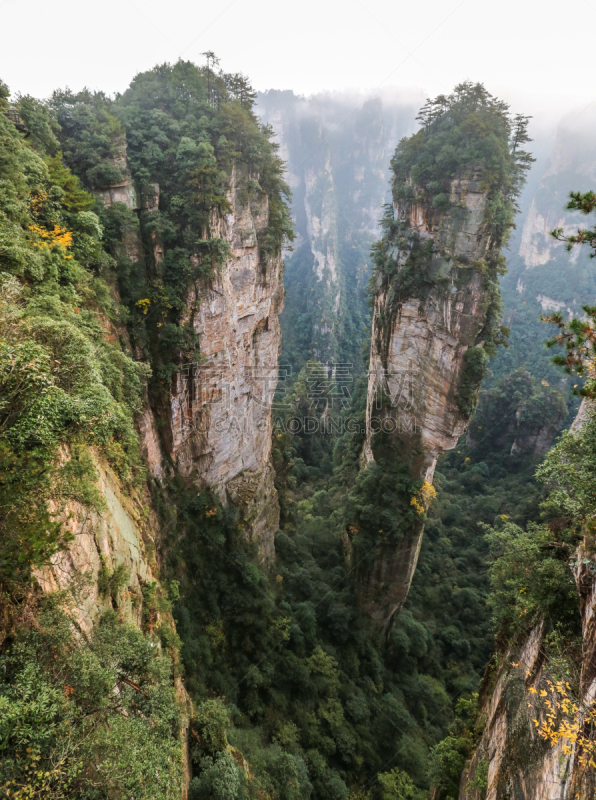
pixel 416 360
pixel 220 420
pixel 120 535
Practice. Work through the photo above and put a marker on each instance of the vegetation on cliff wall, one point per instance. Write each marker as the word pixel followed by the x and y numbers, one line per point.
pixel 67 383
pixel 186 134
pixel 530 574
pixel 470 136
pixel 468 129
pixel 87 718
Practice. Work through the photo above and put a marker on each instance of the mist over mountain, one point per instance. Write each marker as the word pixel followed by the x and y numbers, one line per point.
pixel 296 501
pixel 337 148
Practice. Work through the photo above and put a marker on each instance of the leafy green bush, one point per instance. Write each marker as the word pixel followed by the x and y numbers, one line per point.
pixel 530 574
pixel 474 368
pixel 220 779
pixel 95 719
pixel 397 785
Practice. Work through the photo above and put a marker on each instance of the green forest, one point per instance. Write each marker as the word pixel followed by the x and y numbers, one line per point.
pixel 217 676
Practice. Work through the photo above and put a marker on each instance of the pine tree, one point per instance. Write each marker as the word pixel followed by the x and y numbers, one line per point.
pixel 212 61
pixel 239 86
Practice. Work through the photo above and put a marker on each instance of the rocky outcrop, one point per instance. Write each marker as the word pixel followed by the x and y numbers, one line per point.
pixel 521 417
pixel 418 361
pixel 120 535
pixel 417 358
pixel 220 422
pixel 512 757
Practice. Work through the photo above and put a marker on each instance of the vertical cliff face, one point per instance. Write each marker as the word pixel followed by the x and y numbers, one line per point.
pixel 220 406
pixel 219 423
pixel 511 759
pixel 203 279
pixel 418 345
pixel 435 320
pixel 417 364
pixel 543 277
pixel 514 759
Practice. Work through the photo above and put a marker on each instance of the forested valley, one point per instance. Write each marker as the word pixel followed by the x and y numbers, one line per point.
pixel 297 456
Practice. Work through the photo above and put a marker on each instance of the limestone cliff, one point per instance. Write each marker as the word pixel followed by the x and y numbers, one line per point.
pixel 220 407
pixel 216 428
pixel 417 362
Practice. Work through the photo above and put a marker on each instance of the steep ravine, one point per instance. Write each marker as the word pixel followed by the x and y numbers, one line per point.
pixel 290 690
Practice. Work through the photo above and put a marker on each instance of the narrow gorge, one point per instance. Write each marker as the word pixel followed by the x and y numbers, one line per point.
pixel 281 514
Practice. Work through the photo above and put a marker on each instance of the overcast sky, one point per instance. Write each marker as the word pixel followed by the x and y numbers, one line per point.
pixel 538 55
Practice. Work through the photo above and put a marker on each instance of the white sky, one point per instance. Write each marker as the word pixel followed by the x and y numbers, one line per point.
pixel 536 53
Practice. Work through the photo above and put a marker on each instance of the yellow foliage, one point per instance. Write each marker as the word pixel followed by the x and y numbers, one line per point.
pixel 422 500
pixel 58 237
pixel 591 368
pixel 143 304
pixel 571 725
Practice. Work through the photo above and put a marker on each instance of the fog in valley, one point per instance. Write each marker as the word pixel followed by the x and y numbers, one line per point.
pixel 297 382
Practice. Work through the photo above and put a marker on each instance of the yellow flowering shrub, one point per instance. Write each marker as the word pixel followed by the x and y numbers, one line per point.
pixel 423 498
pixel 566 721
pixel 58 237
